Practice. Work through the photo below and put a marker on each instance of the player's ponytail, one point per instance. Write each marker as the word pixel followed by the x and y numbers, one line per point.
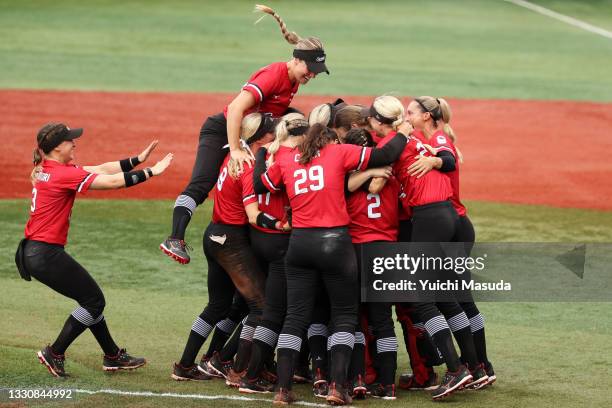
pixel 317 137
pixel 291 122
pixel 446 112
pixel 36 160
pixel 309 43
pixel 290 36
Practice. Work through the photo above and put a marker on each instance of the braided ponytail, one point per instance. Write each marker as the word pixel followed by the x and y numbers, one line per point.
pixel 290 36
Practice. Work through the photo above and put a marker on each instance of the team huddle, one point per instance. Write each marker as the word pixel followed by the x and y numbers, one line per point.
pixel 297 199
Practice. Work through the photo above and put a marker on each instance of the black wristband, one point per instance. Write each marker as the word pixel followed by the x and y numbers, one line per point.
pixel 129 163
pixel 134 177
pixel 149 172
pixel 266 221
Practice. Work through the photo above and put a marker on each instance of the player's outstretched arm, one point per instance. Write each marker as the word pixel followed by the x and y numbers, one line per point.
pixel 123 165
pixel 131 178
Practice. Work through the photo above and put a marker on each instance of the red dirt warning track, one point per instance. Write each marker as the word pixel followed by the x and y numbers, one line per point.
pixel 531 152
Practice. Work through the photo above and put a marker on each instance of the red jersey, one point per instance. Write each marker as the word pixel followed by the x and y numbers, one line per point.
pixel 431 188
pixel 232 195
pixel 316 190
pixel 441 141
pixel 272 90
pixel 52 200
pixel 374 217
pixel 274 204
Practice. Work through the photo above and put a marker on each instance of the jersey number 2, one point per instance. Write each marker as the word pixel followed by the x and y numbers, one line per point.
pixel 314 175
pixel 373 206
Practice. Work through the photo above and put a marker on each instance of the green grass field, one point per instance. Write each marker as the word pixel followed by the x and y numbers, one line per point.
pixel 469 48
pixel 546 354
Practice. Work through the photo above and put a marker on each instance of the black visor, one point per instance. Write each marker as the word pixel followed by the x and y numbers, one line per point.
pixel 372 113
pixel 64 133
pixel 314 59
pixel 266 125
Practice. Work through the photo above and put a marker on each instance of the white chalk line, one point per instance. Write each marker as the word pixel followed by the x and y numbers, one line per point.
pixel 189 396
pixel 562 17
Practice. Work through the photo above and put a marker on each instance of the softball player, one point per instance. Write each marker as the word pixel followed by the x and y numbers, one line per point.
pixel 374 218
pixel 41 253
pixel 270 246
pixel 270 90
pixel 434 220
pixel 320 246
pixel 231 263
pixel 431 117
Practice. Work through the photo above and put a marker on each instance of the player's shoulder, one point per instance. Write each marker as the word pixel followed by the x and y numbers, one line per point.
pixel 271 69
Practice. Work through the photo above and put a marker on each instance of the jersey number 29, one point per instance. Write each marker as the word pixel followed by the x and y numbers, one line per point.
pixel 314 175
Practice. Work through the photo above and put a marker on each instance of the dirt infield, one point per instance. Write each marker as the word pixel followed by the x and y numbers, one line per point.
pixel 532 152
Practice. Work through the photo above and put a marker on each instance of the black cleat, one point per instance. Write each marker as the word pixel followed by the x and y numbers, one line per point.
pixel 218 367
pixel 192 373
pixel 386 392
pixel 410 383
pixel 490 373
pixel 176 249
pixel 53 362
pixel 479 378
pixel 452 381
pixel 203 367
pixel 256 386
pixel 122 361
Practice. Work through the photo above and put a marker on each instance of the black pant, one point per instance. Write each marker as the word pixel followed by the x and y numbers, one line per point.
pixel 327 253
pixel 52 266
pixel 210 155
pixel 270 250
pixel 231 266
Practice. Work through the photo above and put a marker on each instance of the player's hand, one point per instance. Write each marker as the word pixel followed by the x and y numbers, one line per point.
pixel 405 128
pixel 384 172
pixel 162 165
pixel 142 157
pixel 241 157
pixel 432 150
pixel 421 166
pixel 283 226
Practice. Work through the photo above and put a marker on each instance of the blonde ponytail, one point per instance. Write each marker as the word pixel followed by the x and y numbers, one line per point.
pixel 309 43
pixel 447 114
pixel 290 36
pixel 286 123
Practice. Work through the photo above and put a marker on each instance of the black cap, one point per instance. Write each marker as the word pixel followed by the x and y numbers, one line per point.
pixel 314 59
pixel 53 134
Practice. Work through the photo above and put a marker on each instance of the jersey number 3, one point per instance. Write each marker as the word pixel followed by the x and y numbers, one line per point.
pixel 33 205
pixel 314 176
